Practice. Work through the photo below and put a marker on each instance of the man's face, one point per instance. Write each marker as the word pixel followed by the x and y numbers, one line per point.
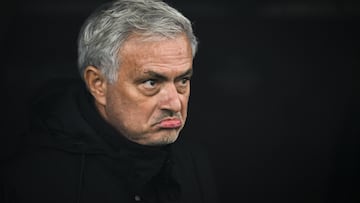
pixel 148 103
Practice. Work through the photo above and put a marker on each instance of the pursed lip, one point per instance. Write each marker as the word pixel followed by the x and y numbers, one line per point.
pixel 170 123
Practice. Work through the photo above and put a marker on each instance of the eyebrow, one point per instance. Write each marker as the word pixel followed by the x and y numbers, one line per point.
pixel 158 76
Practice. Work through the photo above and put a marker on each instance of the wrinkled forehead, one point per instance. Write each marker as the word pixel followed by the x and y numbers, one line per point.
pixel 156 46
pixel 160 56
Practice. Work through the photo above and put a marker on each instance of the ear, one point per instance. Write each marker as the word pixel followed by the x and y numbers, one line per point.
pixel 96 84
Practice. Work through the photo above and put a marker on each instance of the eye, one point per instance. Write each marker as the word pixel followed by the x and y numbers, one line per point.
pixel 183 84
pixel 184 81
pixel 150 84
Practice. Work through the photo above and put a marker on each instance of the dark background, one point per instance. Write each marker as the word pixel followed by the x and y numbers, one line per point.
pixel 274 96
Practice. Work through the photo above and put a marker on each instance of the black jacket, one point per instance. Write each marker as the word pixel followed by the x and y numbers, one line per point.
pixel 72 155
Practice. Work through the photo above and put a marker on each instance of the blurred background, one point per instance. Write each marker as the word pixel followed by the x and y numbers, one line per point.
pixel 275 94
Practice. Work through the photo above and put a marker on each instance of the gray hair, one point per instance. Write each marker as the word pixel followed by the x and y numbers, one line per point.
pixel 106 30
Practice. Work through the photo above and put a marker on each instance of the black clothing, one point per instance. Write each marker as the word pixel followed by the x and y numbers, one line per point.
pixel 72 155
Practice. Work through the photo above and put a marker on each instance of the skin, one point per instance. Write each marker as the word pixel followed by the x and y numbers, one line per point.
pixel 148 103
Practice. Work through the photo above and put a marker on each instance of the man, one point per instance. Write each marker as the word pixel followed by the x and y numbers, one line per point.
pixel 113 140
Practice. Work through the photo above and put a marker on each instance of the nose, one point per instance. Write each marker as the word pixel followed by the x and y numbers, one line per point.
pixel 170 99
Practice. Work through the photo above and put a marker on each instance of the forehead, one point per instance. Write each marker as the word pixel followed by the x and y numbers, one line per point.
pixel 140 53
pixel 142 47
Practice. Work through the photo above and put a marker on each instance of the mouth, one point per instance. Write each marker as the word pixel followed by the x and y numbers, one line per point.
pixel 170 123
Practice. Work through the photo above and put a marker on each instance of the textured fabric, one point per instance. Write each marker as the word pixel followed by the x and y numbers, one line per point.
pixel 72 155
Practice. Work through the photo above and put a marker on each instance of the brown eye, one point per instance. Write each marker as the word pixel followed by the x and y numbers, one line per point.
pixel 184 81
pixel 182 85
pixel 150 84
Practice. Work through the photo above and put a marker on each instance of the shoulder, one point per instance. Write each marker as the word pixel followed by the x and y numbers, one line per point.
pixel 36 158
pixel 38 171
pixel 38 163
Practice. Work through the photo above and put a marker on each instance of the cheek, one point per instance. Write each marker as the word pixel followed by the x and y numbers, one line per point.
pixel 131 110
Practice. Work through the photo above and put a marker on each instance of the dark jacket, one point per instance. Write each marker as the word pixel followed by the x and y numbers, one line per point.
pixel 72 155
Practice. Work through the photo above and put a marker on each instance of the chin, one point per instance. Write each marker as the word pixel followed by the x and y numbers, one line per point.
pixel 164 138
